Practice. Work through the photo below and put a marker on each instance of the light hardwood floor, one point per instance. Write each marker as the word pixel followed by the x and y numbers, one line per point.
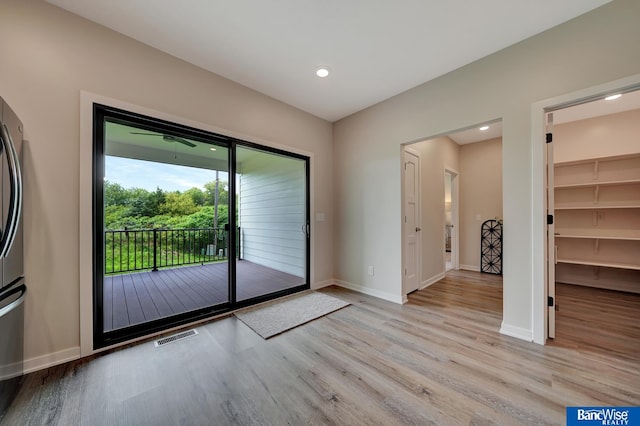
pixel 439 360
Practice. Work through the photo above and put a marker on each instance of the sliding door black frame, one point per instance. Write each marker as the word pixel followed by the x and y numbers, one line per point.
pixel 263 298
pixel 102 114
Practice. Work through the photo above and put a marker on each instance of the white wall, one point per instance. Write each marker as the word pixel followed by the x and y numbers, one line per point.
pixel 480 195
pixel 49 56
pixel 273 212
pixel 590 50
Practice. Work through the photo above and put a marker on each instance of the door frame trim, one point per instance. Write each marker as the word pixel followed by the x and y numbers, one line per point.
pixel 455 218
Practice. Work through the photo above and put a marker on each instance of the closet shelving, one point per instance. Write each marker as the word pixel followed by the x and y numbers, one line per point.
pixel 597 211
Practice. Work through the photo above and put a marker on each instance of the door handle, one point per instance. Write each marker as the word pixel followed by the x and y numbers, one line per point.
pixel 22 289
pixel 418 229
pixel 15 198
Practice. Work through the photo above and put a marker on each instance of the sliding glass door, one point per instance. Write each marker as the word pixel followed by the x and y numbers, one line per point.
pixel 188 224
pixel 273 222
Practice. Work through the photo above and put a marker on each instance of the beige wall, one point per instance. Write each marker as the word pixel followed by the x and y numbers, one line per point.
pixel 49 56
pixel 435 155
pixel 480 194
pixel 614 134
pixel 590 50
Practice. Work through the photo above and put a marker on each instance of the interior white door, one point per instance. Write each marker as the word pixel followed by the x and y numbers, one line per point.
pixel 551 245
pixel 411 171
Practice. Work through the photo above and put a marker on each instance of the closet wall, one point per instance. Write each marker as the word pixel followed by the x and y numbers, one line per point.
pixel 480 195
pixel 597 201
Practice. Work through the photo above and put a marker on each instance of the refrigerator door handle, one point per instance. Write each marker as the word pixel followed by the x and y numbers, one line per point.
pixel 15 198
pixel 14 304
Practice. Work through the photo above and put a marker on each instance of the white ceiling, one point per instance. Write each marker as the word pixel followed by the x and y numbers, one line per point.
pixel 474 134
pixel 599 107
pixel 375 49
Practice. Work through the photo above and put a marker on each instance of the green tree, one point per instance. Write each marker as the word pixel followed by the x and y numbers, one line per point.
pixel 203 218
pixel 156 199
pixel 197 195
pixel 145 203
pixel 137 208
pixel 115 194
pixel 210 193
pixel 178 204
pixel 115 216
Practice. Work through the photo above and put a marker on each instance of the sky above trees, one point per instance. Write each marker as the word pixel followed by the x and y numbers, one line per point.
pixel 149 175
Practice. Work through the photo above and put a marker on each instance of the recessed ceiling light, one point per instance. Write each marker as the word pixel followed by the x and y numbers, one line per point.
pixel 483 128
pixel 613 97
pixel 212 149
pixel 322 72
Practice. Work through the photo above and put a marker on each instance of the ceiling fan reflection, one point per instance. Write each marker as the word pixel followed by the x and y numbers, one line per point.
pixel 168 138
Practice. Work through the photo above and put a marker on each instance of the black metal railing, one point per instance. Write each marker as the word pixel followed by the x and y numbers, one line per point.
pixel 142 249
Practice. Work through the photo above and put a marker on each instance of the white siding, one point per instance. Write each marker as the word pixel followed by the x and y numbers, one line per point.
pixel 272 212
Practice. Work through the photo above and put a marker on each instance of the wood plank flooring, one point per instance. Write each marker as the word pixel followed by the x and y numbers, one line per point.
pixel 437 360
pixel 145 296
pixel 597 320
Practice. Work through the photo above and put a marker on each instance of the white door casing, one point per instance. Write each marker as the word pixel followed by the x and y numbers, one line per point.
pixel 455 236
pixel 412 246
pixel 540 312
pixel 551 247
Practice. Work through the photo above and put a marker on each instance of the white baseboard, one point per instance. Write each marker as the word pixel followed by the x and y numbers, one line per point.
pixel 432 280
pixel 470 268
pixel 395 298
pixel 517 332
pixel 322 284
pixel 49 360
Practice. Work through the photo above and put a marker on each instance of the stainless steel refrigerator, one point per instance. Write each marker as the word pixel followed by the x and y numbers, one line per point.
pixel 12 286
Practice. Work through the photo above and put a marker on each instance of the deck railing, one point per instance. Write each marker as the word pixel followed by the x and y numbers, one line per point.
pixel 142 249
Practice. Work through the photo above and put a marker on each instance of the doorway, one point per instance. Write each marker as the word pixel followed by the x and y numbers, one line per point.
pixel 460 185
pixel 189 224
pixel 451 220
pixel 594 213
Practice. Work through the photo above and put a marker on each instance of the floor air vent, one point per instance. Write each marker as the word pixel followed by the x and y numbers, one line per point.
pixel 175 337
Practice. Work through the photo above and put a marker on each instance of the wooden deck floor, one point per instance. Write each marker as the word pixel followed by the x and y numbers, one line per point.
pixel 139 297
pixel 437 360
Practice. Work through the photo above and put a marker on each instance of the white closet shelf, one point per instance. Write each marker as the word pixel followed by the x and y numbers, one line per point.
pixel 599 234
pixel 593 184
pixel 597 231
pixel 593 160
pixel 603 264
pixel 597 206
